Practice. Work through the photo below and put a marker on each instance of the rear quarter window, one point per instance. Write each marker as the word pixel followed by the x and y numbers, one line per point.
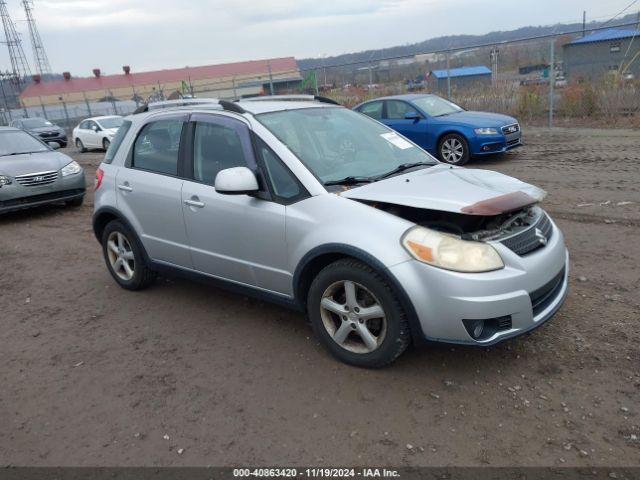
pixel 117 141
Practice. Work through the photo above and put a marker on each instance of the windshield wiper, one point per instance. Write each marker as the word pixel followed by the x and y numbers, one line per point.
pixel 402 168
pixel 351 180
pixel 14 153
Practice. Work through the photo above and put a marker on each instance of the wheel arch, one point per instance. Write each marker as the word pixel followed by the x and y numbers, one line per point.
pixel 320 257
pixel 449 131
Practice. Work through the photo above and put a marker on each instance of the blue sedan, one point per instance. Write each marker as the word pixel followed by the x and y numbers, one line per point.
pixel 444 129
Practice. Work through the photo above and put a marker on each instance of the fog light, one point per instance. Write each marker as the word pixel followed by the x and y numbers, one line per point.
pixel 475 328
pixel 486 148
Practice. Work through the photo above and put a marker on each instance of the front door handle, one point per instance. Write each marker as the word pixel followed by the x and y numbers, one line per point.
pixel 125 188
pixel 194 202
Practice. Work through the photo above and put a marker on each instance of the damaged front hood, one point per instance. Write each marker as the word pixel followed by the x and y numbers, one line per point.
pixel 451 189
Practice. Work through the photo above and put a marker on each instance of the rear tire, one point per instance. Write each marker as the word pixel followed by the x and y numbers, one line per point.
pixel 80 146
pixel 357 315
pixel 124 257
pixel 453 149
pixel 105 144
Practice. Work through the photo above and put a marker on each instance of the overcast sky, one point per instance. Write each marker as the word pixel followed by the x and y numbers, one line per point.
pixel 152 34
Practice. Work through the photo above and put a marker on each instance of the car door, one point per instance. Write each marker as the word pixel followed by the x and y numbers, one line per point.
pixel 414 129
pixel 92 135
pixel 240 238
pixel 149 189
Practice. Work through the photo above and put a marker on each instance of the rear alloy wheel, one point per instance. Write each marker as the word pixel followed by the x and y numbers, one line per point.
pixel 105 144
pixel 80 146
pixel 357 315
pixel 124 257
pixel 453 149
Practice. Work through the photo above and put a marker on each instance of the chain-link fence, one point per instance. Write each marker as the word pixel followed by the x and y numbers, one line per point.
pixel 570 77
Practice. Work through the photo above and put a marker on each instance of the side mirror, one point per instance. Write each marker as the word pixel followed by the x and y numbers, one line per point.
pixel 412 116
pixel 54 145
pixel 236 181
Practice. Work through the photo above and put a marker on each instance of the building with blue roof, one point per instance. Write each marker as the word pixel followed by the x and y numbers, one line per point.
pixel 461 77
pixel 602 52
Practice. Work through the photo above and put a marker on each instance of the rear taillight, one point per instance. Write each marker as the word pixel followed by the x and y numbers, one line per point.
pixel 98 180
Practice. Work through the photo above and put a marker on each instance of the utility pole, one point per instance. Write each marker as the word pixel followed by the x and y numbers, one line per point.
pixel 7 107
pixel 42 65
pixel 584 23
pixel 494 64
pixel 552 79
pixel 448 76
pixel 235 93
pixel 270 79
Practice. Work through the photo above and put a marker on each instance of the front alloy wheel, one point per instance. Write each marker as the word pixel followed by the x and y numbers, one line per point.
pixel 454 150
pixel 357 314
pixel 353 317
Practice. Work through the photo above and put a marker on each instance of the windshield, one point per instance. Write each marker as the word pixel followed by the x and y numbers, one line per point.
pixel 108 123
pixel 17 142
pixel 36 123
pixel 435 106
pixel 336 143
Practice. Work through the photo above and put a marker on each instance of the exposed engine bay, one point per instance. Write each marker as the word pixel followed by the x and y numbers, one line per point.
pixel 465 226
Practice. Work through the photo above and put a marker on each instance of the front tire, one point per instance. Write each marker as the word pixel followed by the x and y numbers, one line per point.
pixel 124 257
pixel 80 146
pixel 105 144
pixel 357 315
pixel 453 149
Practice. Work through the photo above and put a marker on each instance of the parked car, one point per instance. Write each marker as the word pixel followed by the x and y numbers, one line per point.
pixel 381 245
pixel 32 173
pixel 443 128
pixel 96 132
pixel 43 128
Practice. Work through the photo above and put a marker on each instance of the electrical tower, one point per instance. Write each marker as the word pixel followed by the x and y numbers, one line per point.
pixel 39 55
pixel 19 63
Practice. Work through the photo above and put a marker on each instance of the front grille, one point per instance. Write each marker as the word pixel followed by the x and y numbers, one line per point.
pixel 509 129
pixel 513 142
pixel 48 134
pixel 545 295
pixel 37 179
pixel 534 237
pixel 53 196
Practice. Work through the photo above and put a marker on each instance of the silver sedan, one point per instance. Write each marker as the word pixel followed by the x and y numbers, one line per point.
pixel 32 173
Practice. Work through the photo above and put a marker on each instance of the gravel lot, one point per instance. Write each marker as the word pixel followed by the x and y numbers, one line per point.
pixel 94 375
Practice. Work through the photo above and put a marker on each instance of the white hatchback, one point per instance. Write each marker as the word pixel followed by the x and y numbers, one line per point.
pixel 96 132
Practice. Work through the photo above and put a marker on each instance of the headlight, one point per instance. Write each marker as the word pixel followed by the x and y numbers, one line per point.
pixel 485 131
pixel 448 252
pixel 70 169
pixel 4 180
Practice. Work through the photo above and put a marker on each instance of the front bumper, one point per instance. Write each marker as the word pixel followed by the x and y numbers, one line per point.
pixel 443 299
pixel 15 197
pixel 492 144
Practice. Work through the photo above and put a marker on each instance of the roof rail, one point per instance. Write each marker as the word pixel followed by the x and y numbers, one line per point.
pixel 182 102
pixel 291 98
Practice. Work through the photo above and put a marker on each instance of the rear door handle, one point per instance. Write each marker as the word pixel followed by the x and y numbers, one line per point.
pixel 194 203
pixel 125 188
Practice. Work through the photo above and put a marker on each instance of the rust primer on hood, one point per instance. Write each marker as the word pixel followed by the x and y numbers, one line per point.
pixel 501 204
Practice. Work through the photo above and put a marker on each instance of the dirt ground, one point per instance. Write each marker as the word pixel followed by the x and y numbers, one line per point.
pixel 95 375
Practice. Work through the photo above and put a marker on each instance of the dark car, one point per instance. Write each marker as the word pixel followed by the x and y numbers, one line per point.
pixel 444 129
pixel 43 128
